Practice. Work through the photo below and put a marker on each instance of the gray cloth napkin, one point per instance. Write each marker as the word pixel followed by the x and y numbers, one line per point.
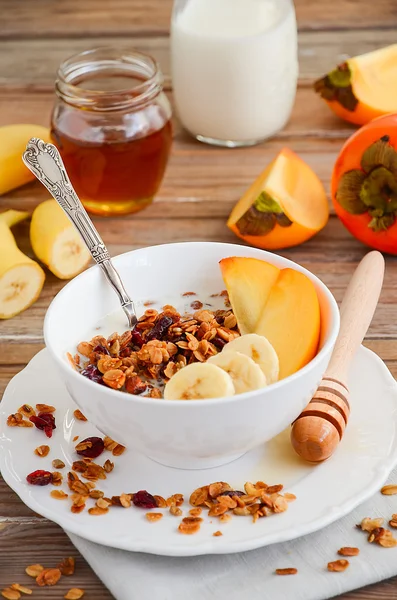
pixel 133 576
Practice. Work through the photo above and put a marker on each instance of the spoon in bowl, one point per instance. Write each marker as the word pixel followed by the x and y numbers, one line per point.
pixel 46 164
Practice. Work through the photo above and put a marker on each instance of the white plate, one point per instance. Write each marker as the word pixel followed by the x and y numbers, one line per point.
pixel 324 492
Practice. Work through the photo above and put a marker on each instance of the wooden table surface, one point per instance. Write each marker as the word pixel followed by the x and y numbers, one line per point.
pixel 200 188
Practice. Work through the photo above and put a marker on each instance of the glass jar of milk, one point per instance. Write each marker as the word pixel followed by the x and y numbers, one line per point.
pixel 234 68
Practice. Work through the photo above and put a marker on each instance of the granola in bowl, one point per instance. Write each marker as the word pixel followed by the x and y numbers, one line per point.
pixel 142 361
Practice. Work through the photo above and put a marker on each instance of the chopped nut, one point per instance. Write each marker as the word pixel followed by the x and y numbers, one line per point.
pixel 175 511
pixel 79 415
pixel 10 594
pixel 57 478
pixel 348 551
pixel 217 533
pixel 77 508
pixel 154 516
pixel 118 450
pixel 125 500
pixel 108 466
pixel 34 570
pixel 287 571
pixel 45 408
pixel 22 589
pixel 58 495
pixel 280 505
pixel 338 565
pixel 58 464
pixel 48 577
pixel 102 503
pixel 389 490
pixel 369 525
pixel 42 451
pixel 67 566
pixel 241 512
pixel 76 437
pixel 74 594
pixel 393 522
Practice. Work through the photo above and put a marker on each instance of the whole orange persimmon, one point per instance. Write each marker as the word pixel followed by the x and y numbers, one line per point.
pixel 364 184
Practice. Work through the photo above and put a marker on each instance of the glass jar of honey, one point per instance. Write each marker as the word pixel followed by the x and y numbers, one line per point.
pixel 112 125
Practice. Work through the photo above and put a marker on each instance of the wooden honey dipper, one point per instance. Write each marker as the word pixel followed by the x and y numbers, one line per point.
pixel 319 428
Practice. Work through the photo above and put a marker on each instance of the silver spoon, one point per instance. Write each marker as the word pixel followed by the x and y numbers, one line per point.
pixel 46 164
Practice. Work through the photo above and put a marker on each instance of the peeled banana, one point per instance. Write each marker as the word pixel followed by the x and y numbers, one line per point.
pixel 13 140
pixel 260 350
pixel 21 278
pixel 199 381
pixel 56 242
pixel 245 373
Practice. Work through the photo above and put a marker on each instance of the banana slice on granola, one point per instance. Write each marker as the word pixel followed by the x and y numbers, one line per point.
pixel 245 373
pixel 199 381
pixel 260 350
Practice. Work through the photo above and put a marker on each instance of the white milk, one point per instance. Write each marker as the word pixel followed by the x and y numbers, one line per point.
pixel 234 67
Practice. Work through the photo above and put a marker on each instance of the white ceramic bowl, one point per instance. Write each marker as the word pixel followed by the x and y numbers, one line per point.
pixel 198 433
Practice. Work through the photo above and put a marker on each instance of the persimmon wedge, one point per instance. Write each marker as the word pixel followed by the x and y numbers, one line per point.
pixel 285 206
pixel 362 88
pixel 291 321
pixel 248 282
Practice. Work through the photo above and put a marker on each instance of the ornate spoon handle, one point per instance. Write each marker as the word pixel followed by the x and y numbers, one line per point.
pixel 46 164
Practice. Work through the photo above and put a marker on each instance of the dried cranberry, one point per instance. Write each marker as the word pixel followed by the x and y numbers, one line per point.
pixel 160 328
pixel 93 373
pixel 136 338
pixel 94 449
pixel 39 477
pixel 219 342
pixel 101 349
pixel 232 493
pixel 45 422
pixel 143 499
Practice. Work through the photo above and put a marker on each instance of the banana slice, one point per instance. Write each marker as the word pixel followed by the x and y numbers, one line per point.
pixel 56 242
pixel 260 350
pixel 21 278
pixel 245 373
pixel 199 381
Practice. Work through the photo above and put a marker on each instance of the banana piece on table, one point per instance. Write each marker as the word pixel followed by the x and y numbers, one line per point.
pixel 56 242
pixel 245 373
pixel 21 278
pixel 260 350
pixel 199 381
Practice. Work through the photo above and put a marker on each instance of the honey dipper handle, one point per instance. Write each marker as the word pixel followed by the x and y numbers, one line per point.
pixel 356 312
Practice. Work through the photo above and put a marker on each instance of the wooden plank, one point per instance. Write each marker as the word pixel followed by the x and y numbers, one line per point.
pixel 127 17
pixel 22 544
pixel 34 62
pixel 19 548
